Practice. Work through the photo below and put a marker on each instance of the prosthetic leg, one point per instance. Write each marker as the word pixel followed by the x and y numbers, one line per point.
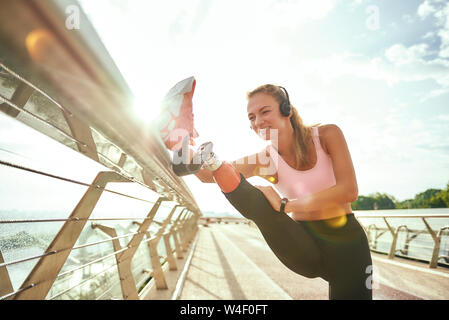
pixel 225 175
pixel 289 240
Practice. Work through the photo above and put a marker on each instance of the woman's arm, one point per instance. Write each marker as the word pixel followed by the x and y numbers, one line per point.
pixel 345 189
pixel 330 202
pixel 247 166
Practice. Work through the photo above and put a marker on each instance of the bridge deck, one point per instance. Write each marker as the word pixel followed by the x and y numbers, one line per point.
pixel 233 261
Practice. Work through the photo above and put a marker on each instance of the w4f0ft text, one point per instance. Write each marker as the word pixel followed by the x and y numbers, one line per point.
pixel 257 309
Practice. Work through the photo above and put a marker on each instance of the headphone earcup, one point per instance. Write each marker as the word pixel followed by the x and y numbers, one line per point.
pixel 285 109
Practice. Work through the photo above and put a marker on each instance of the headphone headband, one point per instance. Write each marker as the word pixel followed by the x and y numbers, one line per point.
pixel 285 107
pixel 286 93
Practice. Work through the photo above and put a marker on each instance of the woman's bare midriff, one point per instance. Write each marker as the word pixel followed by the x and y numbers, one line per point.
pixel 318 215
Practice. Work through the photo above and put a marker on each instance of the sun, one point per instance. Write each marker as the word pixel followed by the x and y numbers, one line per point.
pixel 145 109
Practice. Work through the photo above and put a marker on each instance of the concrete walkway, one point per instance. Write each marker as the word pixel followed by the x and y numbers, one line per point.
pixel 219 270
pixel 233 262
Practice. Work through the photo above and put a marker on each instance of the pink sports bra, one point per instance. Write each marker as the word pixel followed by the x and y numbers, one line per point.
pixel 295 184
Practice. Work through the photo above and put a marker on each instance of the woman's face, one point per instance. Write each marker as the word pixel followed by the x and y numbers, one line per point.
pixel 264 115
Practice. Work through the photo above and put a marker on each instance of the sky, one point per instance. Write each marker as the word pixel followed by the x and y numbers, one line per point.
pixel 377 69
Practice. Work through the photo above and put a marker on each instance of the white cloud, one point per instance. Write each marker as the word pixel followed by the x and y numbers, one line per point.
pixel 399 55
pixel 433 94
pixel 444 47
pixel 440 11
pixel 425 9
pixel 429 35
pixel 443 20
pixel 297 12
pixel 443 117
pixel 409 64
pixel 356 3
pixel 399 64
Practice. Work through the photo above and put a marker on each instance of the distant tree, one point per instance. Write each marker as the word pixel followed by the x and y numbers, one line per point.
pixel 363 203
pixel 406 204
pixel 437 201
pixel 431 198
pixel 383 201
pixel 440 199
pixel 422 199
pixel 445 195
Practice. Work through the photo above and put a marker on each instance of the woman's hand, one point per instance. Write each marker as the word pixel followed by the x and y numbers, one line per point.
pixel 272 196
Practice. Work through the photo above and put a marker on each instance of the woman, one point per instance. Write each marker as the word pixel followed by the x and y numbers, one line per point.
pixel 313 170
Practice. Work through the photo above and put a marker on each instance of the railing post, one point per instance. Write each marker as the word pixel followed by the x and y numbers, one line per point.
pixel 170 258
pixel 137 238
pixel 180 231
pixel 178 248
pixel 44 273
pixel 123 259
pixel 173 232
pixel 409 239
pixel 20 97
pixel 397 234
pixel 5 281
pixel 393 243
pixel 194 224
pixel 162 233
pixel 127 283
pixel 436 245
pixel 370 239
pixel 188 228
pixel 175 229
pixel 158 273
pixel 184 229
pixel 437 253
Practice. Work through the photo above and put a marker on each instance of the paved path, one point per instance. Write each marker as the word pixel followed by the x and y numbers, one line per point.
pixel 220 270
pixel 233 262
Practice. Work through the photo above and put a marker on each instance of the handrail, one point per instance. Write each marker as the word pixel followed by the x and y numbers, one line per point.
pixel 11 221
pixel 434 215
pixel 74 73
pixel 67 86
pixel 436 235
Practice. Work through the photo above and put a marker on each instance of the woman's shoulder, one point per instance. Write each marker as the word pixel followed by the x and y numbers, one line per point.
pixel 327 132
pixel 328 129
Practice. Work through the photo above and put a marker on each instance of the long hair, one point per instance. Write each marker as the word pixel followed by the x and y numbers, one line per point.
pixel 302 133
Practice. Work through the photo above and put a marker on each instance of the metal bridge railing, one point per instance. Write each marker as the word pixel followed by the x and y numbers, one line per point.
pixel 64 84
pixel 421 237
pixel 74 267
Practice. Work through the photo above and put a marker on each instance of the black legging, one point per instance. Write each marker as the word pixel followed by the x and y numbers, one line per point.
pixel 312 249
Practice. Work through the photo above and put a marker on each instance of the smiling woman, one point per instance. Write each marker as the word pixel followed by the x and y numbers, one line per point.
pixel 313 171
